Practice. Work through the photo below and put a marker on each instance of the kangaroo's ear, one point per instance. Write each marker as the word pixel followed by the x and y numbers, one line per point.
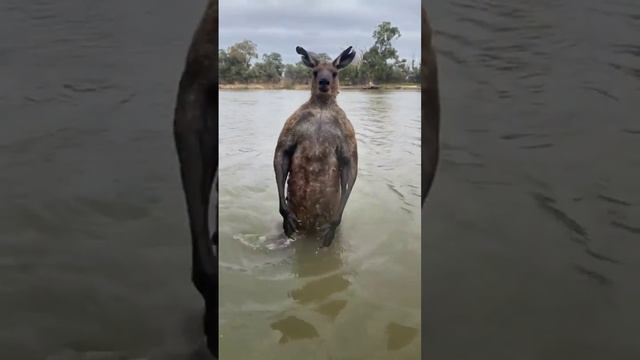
pixel 344 59
pixel 307 59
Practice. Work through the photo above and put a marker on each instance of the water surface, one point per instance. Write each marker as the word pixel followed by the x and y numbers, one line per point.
pixel 360 298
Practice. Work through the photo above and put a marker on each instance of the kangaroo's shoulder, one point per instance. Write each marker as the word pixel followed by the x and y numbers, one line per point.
pixel 343 121
pixel 303 113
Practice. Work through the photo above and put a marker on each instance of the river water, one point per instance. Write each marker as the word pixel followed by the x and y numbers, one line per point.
pixel 361 297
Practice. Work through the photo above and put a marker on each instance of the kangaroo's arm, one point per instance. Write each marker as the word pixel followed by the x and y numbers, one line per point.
pixel 195 131
pixel 348 170
pixel 282 166
pixel 282 157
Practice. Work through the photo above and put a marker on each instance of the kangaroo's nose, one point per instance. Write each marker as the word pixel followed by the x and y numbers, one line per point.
pixel 323 82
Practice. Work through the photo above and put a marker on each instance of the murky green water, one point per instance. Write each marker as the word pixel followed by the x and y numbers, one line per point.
pixel 361 297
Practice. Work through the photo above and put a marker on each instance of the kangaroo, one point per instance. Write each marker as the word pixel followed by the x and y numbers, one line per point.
pixel 317 152
pixel 195 129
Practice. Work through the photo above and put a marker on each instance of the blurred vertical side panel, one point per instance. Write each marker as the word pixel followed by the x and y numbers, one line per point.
pixel 430 107
pixel 196 140
pixel 430 134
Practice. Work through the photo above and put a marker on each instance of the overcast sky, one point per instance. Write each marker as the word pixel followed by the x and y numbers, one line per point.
pixel 327 26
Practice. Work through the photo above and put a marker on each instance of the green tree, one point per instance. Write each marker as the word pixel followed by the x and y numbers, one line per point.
pixel 353 74
pixel 380 64
pixel 297 73
pixel 270 69
pixel 376 61
pixel 383 36
pixel 400 71
pixel 244 52
pixel 414 72
pixel 235 62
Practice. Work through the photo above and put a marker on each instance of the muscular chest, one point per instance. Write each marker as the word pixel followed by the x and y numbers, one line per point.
pixel 319 136
pixel 323 126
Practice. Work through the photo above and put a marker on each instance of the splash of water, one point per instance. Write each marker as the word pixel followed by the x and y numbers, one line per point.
pixel 265 242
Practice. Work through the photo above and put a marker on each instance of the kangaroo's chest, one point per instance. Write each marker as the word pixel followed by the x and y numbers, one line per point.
pixel 321 130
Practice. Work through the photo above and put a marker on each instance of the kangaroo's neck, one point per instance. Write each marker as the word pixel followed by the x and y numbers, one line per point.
pixel 322 100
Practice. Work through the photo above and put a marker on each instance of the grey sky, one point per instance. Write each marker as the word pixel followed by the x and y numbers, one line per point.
pixel 319 26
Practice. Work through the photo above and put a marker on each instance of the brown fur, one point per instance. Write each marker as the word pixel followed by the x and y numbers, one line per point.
pixel 317 149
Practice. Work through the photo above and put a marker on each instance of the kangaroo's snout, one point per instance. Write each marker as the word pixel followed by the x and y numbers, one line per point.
pixel 324 83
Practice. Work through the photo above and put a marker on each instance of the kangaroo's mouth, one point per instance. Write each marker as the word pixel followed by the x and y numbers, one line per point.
pixel 324 88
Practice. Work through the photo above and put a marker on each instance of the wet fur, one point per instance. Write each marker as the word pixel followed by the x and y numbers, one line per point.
pixel 317 154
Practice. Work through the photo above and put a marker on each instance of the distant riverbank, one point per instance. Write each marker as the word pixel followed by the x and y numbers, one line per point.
pixel 305 87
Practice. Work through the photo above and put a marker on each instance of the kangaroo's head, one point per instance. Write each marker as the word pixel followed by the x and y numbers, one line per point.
pixel 325 83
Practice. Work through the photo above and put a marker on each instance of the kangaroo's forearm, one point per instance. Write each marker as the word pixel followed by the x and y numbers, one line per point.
pixel 281 165
pixel 347 180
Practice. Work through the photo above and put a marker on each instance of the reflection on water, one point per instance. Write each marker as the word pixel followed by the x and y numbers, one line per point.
pixel 293 328
pixel 529 244
pixel 323 281
pixel 400 335
pixel 358 298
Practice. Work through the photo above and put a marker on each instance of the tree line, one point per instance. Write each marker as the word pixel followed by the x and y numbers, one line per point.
pixel 379 64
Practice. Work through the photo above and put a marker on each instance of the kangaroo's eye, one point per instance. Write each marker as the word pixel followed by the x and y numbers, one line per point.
pixel 315 73
pixel 335 74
